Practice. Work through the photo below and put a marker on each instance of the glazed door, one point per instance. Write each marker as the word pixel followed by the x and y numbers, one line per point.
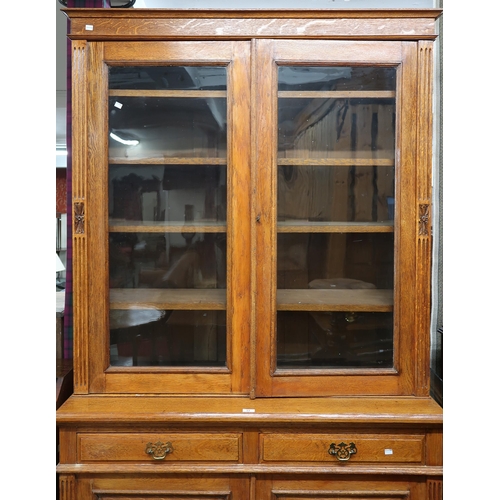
pixel 335 187
pixel 169 274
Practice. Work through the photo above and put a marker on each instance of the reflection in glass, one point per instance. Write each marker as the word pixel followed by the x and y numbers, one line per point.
pixel 192 261
pixel 167 260
pixel 167 77
pixel 324 78
pixel 167 203
pixel 168 193
pixel 357 115
pixel 167 338
pixel 345 124
pixel 304 258
pixel 336 192
pixel 327 194
pixel 335 340
pixel 167 127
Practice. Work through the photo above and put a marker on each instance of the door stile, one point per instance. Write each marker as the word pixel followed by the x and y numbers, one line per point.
pixel 98 218
pixel 238 220
pixel 265 213
pixel 404 293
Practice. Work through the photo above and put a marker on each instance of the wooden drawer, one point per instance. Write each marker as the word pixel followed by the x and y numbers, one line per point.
pixel 315 448
pixel 154 447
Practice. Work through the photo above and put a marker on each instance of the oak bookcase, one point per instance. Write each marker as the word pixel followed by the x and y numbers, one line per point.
pixel 252 253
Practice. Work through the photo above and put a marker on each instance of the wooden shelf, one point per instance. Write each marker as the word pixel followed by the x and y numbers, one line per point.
pixel 373 300
pixel 168 299
pixel 294 226
pixel 286 94
pixel 303 226
pixel 287 300
pixel 337 94
pixel 159 158
pixel 129 226
pixel 301 157
pixel 342 159
pixel 337 162
pixel 167 93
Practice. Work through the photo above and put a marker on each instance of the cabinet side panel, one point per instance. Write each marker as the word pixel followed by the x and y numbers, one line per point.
pixel 434 446
pixel 67 445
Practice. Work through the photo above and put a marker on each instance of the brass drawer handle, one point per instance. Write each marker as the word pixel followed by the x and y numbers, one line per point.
pixel 159 450
pixel 342 451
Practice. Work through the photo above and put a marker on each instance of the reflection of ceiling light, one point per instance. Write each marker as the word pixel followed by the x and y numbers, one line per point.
pixel 127 142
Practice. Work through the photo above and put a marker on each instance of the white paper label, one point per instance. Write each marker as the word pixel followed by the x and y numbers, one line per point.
pixel 248 410
pixel 118 105
pixel 388 451
pixel 89 27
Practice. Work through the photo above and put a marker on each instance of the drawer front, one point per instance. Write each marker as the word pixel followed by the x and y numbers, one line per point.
pixel 345 448
pixel 167 447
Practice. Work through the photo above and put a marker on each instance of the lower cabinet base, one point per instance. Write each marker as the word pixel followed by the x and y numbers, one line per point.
pixel 180 449
pixel 246 487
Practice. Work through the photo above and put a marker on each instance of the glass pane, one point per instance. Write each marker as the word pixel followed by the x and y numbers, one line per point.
pixel 167 260
pixel 350 193
pixel 167 203
pixel 340 110
pixel 168 193
pixel 154 127
pixel 334 339
pixel 168 338
pixel 336 192
pixel 167 77
pixel 349 260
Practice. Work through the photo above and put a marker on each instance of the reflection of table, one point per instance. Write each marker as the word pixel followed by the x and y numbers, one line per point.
pixel 59 325
pixel 135 332
pixel 126 318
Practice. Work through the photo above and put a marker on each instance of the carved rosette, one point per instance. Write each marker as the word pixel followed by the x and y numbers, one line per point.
pixel 423 220
pixel 79 214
